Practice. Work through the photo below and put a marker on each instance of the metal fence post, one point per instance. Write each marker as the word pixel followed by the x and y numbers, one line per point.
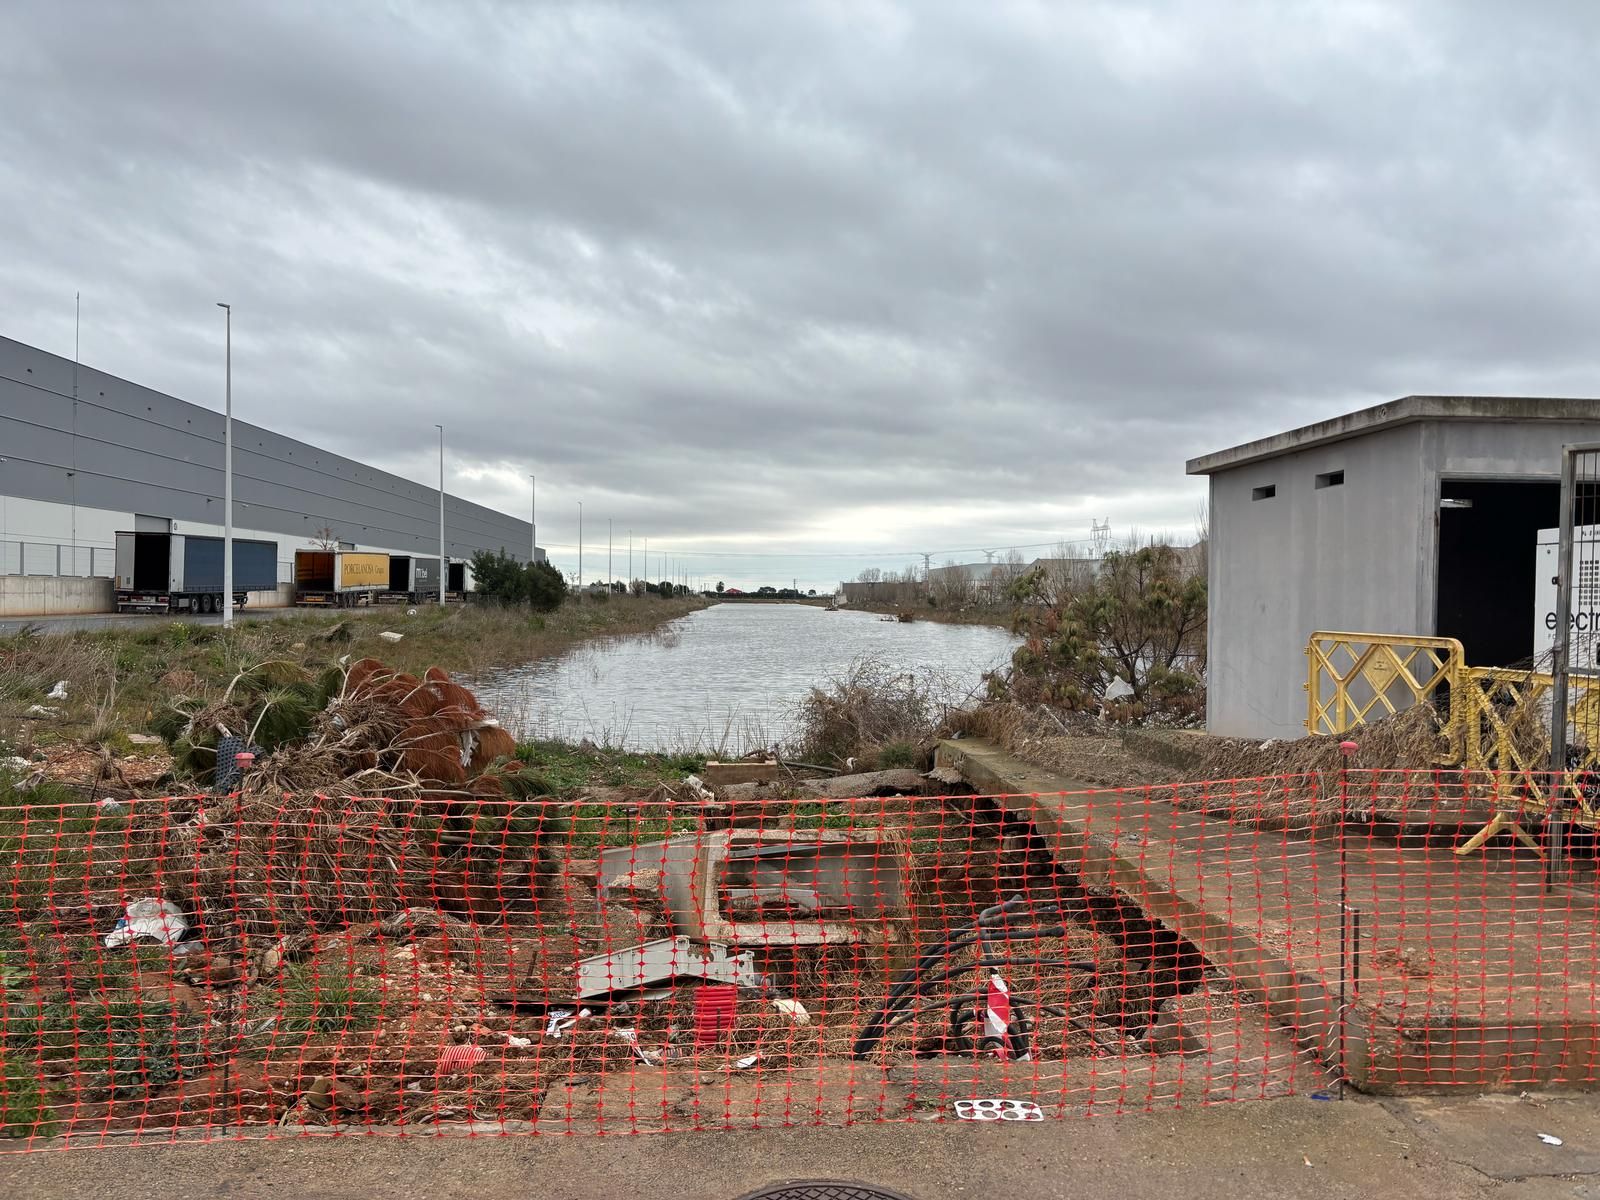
pixel 1561 660
pixel 1561 663
pixel 1346 749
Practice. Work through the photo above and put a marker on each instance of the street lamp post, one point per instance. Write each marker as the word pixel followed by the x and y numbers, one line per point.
pixel 580 547
pixel 444 563
pixel 611 575
pixel 227 469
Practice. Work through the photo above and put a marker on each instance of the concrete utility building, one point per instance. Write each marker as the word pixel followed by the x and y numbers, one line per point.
pixel 84 454
pixel 1419 516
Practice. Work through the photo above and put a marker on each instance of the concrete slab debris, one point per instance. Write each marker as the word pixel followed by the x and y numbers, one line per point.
pixel 750 887
pixel 720 774
pixel 659 962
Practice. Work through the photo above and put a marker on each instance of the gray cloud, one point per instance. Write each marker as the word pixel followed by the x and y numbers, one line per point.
pixel 808 279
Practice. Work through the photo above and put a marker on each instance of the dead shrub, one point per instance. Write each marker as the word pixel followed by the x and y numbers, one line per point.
pixel 872 705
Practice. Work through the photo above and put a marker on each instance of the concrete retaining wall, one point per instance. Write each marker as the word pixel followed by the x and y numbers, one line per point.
pixel 63 595
pixel 53 595
pixel 280 597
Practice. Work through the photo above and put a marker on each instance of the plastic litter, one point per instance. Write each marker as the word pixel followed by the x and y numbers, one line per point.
pixel 518 1043
pixel 998 1110
pixel 563 1019
pixel 59 692
pixel 794 1010
pixel 455 1059
pixel 389 635
pixel 160 920
pixel 39 710
pixel 631 1037
pixel 108 805
pixel 748 1061
pixel 1550 1139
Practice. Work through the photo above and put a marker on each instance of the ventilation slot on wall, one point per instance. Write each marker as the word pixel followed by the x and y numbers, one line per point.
pixel 1264 493
pixel 1330 479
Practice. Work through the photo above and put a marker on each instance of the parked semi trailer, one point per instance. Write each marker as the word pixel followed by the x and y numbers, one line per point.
pixel 339 578
pixel 413 580
pixel 182 572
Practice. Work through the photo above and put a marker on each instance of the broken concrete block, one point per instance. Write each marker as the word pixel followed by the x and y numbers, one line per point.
pixel 659 962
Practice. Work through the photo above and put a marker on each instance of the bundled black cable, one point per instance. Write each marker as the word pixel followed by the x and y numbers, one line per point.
pixel 992 929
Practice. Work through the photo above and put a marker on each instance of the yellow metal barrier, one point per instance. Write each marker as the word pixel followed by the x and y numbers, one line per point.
pixel 1501 718
pixel 1354 678
pixel 1497 722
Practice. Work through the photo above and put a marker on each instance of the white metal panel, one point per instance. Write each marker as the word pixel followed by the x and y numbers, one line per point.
pixel 175 563
pixel 1585 608
pixel 124 574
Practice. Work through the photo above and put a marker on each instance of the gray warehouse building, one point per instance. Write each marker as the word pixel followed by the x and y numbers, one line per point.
pixel 84 454
pixel 1419 516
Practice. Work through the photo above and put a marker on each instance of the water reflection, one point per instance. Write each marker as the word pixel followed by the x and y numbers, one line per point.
pixel 725 679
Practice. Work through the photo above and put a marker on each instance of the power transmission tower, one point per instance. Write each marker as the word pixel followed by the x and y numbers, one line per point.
pixel 1100 535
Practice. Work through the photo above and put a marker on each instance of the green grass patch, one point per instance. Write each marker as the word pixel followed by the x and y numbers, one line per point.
pixel 566 770
pixel 24 1111
pixel 327 1002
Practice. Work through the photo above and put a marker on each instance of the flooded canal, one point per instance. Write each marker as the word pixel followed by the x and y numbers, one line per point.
pixel 727 678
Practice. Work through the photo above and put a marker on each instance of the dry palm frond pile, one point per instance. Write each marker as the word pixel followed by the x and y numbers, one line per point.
pixel 374 789
pixel 1411 739
pixel 1299 783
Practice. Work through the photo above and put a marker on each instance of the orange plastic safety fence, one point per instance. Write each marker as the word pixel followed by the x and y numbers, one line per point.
pixel 218 967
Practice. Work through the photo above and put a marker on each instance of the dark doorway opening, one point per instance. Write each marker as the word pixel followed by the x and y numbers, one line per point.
pixel 1488 531
pixel 152 561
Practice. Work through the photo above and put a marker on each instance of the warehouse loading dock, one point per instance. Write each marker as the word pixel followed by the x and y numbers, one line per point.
pixel 170 572
pixel 339 578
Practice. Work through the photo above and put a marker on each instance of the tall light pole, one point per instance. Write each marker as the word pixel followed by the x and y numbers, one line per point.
pixel 444 563
pixel 533 516
pixel 227 468
pixel 580 547
pixel 611 576
pixel 630 560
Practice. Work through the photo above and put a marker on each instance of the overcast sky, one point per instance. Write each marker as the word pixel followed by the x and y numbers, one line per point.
pixel 823 282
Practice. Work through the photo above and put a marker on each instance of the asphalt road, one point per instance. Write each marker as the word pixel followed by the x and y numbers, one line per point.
pixel 1278 1148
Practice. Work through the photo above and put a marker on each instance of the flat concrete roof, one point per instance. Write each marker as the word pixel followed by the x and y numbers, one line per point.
pixel 1404 411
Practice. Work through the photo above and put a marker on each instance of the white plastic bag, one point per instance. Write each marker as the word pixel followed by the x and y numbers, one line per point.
pixel 161 920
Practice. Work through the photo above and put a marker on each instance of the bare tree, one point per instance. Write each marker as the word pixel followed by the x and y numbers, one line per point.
pixel 325 538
